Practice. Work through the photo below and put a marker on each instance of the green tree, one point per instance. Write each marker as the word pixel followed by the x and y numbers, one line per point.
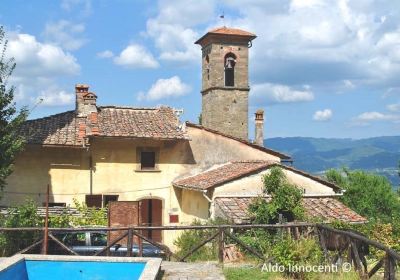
pixel 285 199
pixel 11 119
pixel 369 194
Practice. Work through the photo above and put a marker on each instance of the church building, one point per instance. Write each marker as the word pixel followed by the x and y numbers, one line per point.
pixel 179 171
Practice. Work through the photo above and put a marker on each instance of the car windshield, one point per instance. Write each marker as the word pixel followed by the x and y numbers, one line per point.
pixel 98 239
pixel 75 239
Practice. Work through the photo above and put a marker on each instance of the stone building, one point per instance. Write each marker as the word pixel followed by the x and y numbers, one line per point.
pixel 225 80
pixel 178 171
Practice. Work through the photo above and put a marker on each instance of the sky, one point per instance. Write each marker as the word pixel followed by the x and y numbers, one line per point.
pixel 318 68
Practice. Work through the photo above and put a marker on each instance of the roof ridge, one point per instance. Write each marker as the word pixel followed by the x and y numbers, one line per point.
pixel 126 107
pixel 51 116
pixel 244 32
pixel 254 161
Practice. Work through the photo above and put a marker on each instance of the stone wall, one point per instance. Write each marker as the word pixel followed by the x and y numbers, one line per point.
pixel 225 108
pixel 226 111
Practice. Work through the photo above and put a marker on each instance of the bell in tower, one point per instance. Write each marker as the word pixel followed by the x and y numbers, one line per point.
pixel 225 83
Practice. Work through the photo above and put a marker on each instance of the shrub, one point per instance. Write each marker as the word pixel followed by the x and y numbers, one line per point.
pixel 89 216
pixel 191 238
pixel 24 215
pixel 259 239
pixel 290 252
pixel 285 199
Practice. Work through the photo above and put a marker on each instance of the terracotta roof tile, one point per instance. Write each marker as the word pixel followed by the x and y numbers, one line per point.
pixel 235 170
pixel 238 33
pixel 222 174
pixel 328 209
pixel 231 31
pixel 69 130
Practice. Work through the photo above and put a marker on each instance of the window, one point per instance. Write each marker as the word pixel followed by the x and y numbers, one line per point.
pixel 108 198
pixel 147 160
pixel 229 66
pixel 208 67
pixel 75 239
pixel 94 200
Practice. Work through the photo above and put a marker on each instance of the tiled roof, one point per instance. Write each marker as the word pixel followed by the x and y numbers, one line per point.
pixel 228 31
pixel 248 143
pixel 67 129
pixel 160 123
pixel 222 174
pixel 231 31
pixel 60 129
pixel 231 171
pixel 328 209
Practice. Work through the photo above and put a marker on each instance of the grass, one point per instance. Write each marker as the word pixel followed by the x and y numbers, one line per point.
pixel 232 273
pixel 249 274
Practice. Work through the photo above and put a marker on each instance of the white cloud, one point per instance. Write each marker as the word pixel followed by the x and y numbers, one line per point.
pixel 174 28
pixel 323 41
pixel 35 59
pixel 394 107
pixel 175 42
pixel 84 6
pixel 348 84
pixel 165 88
pixel 65 34
pixel 39 66
pixel 136 56
pixel 323 115
pixel 105 54
pixel 267 94
pixel 55 97
pixel 368 117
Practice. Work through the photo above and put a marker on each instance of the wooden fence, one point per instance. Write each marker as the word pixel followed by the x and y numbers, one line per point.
pixel 221 235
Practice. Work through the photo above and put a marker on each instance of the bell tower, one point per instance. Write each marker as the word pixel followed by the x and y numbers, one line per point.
pixel 225 80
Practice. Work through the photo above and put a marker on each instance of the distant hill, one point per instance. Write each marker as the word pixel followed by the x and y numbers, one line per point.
pixel 315 155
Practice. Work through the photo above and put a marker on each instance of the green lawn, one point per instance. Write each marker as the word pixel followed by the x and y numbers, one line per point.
pixel 256 274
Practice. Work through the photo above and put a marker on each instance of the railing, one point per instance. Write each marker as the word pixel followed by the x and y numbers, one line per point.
pixel 221 235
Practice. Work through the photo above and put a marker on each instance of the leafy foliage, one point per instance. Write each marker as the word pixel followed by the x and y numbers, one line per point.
pixel 288 251
pixel 285 199
pixel 87 216
pixel 11 143
pixel 368 194
pixel 24 215
pixel 190 238
pixel 259 239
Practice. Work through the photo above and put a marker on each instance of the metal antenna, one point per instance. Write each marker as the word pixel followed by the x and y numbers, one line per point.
pixel 222 17
pixel 36 104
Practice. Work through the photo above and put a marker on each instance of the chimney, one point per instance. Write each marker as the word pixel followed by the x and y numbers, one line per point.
pixel 85 101
pixel 259 136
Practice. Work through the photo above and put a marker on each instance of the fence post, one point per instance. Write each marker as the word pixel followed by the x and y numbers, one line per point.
pixel 45 247
pixel 390 263
pixel 141 245
pixel 129 245
pixel 221 246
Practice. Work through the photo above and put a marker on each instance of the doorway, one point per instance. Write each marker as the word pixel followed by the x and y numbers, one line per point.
pixel 151 215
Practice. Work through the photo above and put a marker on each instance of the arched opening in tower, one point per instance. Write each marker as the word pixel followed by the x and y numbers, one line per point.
pixel 230 62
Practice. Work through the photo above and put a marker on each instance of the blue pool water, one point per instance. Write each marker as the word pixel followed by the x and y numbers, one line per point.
pixel 73 270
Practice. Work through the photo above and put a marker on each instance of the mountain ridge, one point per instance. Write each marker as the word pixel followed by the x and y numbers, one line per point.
pixel 315 155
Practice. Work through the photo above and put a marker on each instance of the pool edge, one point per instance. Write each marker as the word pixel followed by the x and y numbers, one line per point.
pixel 150 271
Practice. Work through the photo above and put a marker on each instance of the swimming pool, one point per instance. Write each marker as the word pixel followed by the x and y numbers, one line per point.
pixel 41 267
